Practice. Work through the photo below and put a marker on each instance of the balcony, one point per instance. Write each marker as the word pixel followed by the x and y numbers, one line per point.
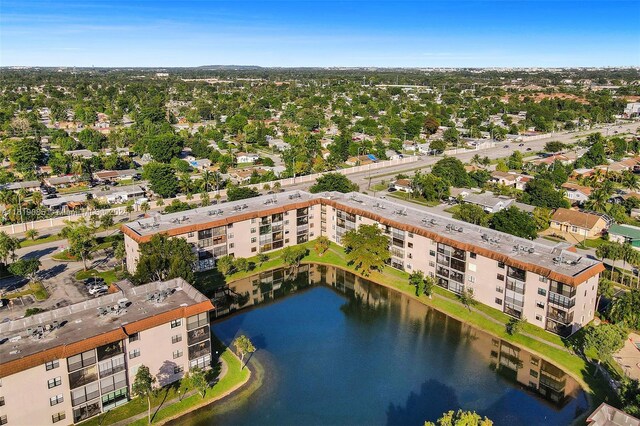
pixel 560 316
pixel 561 301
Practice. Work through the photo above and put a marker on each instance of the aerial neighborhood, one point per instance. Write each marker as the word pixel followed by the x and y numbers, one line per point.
pixel 144 209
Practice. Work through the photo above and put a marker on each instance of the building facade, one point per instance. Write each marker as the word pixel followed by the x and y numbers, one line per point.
pixel 72 363
pixel 551 287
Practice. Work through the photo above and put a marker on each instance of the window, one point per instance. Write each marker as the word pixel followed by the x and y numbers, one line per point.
pixel 55 400
pixel 540 305
pixel 79 361
pixel 176 323
pixel 52 364
pixel 52 383
pixel 177 354
pixel 538 317
pixel 254 239
pixel 3 420
pixel 178 369
pixel 134 353
pixel 230 235
pixel 501 265
pixel 432 253
pixel 177 338
pixel 499 289
pixel 472 255
pixel 432 263
pixel 1 401
pixel 254 249
pixel 190 234
pixel 253 230
pixel 533 373
pixel 410 245
pixel 410 235
pixel 535 361
pixel 542 291
pixel 472 267
pixel 500 277
pixel 498 301
pixel 472 279
pixel 231 245
pixel 197 321
pixel 542 279
pixel 229 226
pixel 134 337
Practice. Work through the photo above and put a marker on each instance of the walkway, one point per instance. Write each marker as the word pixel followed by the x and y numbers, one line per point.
pixel 629 357
pixel 223 371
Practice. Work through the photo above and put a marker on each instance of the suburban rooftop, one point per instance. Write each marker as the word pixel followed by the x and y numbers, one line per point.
pixel 556 258
pixel 109 313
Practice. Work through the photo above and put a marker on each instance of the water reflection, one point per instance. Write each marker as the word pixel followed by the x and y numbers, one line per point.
pixel 348 351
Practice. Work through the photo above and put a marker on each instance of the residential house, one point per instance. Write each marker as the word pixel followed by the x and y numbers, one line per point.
pixel 119 194
pixel 116 175
pixel 278 144
pixel 577 224
pixel 424 148
pixel 409 146
pixel 488 201
pixel 606 415
pixel 246 157
pixel 30 185
pixel 403 185
pixel 60 181
pixel 361 160
pixel 66 202
pixel 577 194
pixel 81 153
pixel 511 179
pixel 200 164
pixel 392 155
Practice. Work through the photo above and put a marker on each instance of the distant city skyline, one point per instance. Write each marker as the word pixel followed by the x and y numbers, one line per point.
pixel 425 34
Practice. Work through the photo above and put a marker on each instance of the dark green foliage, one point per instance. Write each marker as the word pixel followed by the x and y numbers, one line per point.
pixel 162 179
pixel 542 193
pixel 333 182
pixel 164 258
pixel 516 222
pixel 235 193
pixel 452 170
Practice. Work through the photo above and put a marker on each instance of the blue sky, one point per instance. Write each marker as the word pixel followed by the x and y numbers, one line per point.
pixel 320 33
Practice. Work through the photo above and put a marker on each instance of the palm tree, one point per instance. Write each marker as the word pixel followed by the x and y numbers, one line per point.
pixel 145 207
pixel 630 180
pixel 206 180
pixel 598 201
pixel 37 198
pixel 31 233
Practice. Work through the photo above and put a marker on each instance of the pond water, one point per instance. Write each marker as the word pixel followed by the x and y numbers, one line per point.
pixel 339 350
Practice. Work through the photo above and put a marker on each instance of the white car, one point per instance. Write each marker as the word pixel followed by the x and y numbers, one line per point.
pixel 98 288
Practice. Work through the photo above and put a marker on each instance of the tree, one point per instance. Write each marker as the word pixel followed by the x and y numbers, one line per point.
pixel 145 207
pixel 516 222
pixel 129 209
pixel 27 268
pixel 472 213
pixel 321 245
pixel 205 200
pixel 461 418
pixel 164 258
pixel 225 265
pixel 106 220
pixel 36 197
pixel 554 146
pixel 119 251
pixel 604 340
pixel 630 396
pixel 333 182
pixel 26 154
pixel 244 346
pixel 625 309
pixel 198 380
pixel 367 248
pixel 429 186
pixel 143 386
pixel 467 298
pixel 31 234
pixel 235 193
pixel 81 238
pixel 164 147
pixel 542 218
pixel 263 257
pixel 438 145
pixel 292 255
pixel 605 289
pixel 429 286
pixel 452 136
pixel 514 162
pixel 514 326
pixel 416 279
pixel 452 170
pixel 541 192
pixel 162 179
pixel 241 264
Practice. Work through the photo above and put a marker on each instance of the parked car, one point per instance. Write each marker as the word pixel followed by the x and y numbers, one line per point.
pixel 99 293
pixel 506 146
pixel 521 144
pixel 93 281
pixel 99 288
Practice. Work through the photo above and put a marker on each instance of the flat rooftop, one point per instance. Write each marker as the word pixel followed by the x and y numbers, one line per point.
pixel 554 257
pixel 202 215
pixel 74 323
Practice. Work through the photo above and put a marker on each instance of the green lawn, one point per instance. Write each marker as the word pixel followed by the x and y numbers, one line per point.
pixel 108 276
pixel 234 377
pixel 39 240
pixel 592 243
pixel 417 200
pixel 36 288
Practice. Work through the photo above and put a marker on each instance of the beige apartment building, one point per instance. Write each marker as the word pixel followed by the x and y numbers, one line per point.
pixel 72 363
pixel 553 288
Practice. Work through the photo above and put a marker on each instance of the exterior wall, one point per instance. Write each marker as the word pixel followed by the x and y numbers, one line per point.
pixel 27 396
pixel 132 250
pixel 586 298
pixel 156 351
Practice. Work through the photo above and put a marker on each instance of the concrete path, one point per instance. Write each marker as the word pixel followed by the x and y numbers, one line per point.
pixel 629 357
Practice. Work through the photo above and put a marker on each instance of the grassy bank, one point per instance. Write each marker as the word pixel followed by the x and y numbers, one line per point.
pixel 537 340
pixel 162 410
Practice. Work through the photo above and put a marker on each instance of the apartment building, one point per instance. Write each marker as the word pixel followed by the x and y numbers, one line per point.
pixel 549 286
pixel 72 363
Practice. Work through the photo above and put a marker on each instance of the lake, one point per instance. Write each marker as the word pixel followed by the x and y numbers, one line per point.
pixel 335 349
